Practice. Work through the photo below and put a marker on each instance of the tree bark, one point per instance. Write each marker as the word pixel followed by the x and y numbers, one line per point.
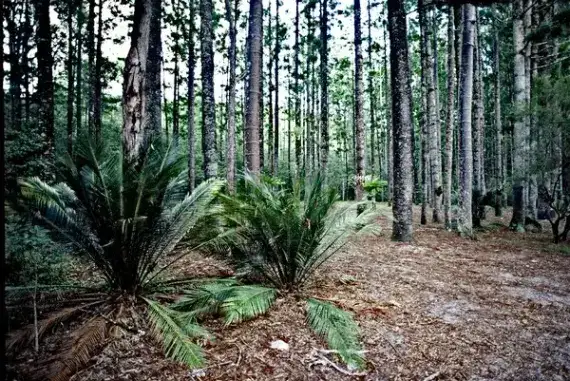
pixel 520 133
pixel 358 104
pixel 191 128
pixel 324 79
pixel 69 67
pixel 465 221
pixel 499 181
pixel 298 131
pixel 450 119
pixel 401 122
pixel 231 151
pixel 371 96
pixel 253 125
pixel 97 84
pixel 208 100
pixel 388 108
pixel 141 120
pixel 45 90
pixel 91 66
pixel 79 71
pixel 477 125
pixel 277 110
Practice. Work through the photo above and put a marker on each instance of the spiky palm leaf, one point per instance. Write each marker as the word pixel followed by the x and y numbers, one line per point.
pixel 235 302
pixel 247 302
pixel 176 330
pixel 125 216
pixel 286 238
pixel 338 329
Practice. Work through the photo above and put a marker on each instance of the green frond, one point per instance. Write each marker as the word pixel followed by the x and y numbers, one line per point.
pixel 205 299
pixel 168 327
pixel 338 329
pixel 247 302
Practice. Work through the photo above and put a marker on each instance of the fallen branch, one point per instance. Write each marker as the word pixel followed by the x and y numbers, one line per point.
pixel 432 377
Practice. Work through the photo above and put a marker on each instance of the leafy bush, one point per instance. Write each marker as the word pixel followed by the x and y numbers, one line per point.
pixel 275 234
pixel 31 256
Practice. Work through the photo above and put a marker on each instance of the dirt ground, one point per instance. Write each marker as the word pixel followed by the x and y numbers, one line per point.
pixel 442 308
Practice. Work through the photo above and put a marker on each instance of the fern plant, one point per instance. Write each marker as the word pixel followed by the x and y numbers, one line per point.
pixel 126 218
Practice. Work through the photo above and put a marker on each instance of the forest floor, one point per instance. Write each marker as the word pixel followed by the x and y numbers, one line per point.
pixel 442 308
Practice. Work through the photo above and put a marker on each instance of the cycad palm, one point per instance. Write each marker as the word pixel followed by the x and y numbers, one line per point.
pixel 125 217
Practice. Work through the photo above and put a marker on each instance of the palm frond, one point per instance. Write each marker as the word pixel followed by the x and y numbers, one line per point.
pixel 206 299
pixel 25 336
pixel 175 335
pixel 83 344
pixel 338 329
pixel 247 302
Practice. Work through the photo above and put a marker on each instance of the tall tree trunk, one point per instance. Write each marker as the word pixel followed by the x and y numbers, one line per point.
pixel 253 126
pixel 231 151
pixel 45 76
pixel 141 91
pixel 532 194
pixel 520 133
pixel 79 70
pixel 477 125
pixel 499 181
pixel 465 222
pixel 69 65
pixel 191 128
pixel 430 110
pixel 208 100
pixel 270 98
pixel 275 159
pixel 324 80
pixel 371 96
pixel 261 109
pixel 401 122
pixel 91 66
pixel 15 76
pixel 358 104
pixel 97 84
pixel 388 107
pixel 298 131
pixel 450 119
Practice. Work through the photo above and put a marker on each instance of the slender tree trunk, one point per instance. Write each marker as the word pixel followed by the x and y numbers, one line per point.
pixel 231 151
pixel 254 53
pixel 97 84
pixel 499 181
pixel 450 119
pixel 277 110
pixel 298 131
pixel 371 96
pixel 91 66
pixel 520 135
pixel 79 71
pixel 324 79
pixel 69 65
pixel 191 128
pixel 141 121
pixel 430 110
pixel 358 104
pixel 401 122
pixel 208 100
pixel 465 223
pixel 45 90
pixel 388 108
pixel 289 112
pixel 270 98
pixel 15 76
pixel 477 125
pixel 532 194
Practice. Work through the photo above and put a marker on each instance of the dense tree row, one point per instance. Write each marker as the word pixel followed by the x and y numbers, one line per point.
pixel 450 106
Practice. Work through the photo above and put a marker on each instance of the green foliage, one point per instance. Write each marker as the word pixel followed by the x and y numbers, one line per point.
pixel 235 302
pixel 375 187
pixel 31 255
pixel 338 329
pixel 123 216
pixel 176 330
pixel 274 233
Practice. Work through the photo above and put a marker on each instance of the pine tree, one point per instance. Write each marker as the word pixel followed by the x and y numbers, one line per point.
pixel 209 149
